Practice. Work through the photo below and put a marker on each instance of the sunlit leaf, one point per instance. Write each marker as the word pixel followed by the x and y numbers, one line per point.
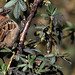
pixel 10 3
pixel 30 66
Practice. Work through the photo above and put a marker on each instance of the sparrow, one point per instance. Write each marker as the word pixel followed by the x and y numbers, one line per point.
pixel 9 30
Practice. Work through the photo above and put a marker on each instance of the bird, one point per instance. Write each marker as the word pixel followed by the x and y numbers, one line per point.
pixel 9 29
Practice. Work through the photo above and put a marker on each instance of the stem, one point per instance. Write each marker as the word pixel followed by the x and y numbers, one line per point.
pixel 10 62
pixel 26 26
pixel 50 36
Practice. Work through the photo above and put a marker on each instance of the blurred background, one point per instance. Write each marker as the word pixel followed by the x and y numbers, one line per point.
pixel 67 8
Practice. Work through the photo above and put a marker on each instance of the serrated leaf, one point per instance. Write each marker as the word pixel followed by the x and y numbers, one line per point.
pixel 49 55
pixel 22 5
pixel 16 11
pixel 22 65
pixel 10 3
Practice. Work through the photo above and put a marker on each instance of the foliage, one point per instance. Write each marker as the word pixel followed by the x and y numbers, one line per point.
pixel 31 61
pixel 19 5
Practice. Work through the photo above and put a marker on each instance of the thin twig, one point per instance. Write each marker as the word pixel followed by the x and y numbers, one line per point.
pixel 32 13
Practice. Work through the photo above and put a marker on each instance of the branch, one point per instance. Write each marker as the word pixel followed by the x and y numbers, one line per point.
pixel 26 26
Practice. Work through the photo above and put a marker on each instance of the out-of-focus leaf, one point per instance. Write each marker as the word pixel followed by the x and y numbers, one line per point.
pixel 54 11
pixel 25 68
pixel 67 29
pixel 41 34
pixel 10 3
pixel 32 59
pixel 5 50
pixel 49 55
pixel 3 68
pixel 36 50
pixel 30 66
pixel 69 24
pixel 52 60
pixel 24 60
pixel 17 57
pixel 22 5
pixel 22 65
pixel 42 58
pixel 16 11
pixel 42 66
pixel 31 51
pixel 39 27
pixel 66 54
pixel 44 15
pixel 58 66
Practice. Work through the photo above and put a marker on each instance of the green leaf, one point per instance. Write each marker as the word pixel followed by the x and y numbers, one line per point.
pixel 52 60
pixel 24 60
pixel 58 66
pixel 42 66
pixel 17 57
pixel 50 7
pixel 16 11
pixel 22 5
pixel 10 3
pixel 69 24
pixel 36 50
pixel 66 54
pixel 49 55
pixel 67 29
pixel 44 70
pixel 32 59
pixel 44 15
pixel 25 68
pixel 5 50
pixel 54 11
pixel 22 65
pixel 30 66
pixel 3 67
pixel 28 58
